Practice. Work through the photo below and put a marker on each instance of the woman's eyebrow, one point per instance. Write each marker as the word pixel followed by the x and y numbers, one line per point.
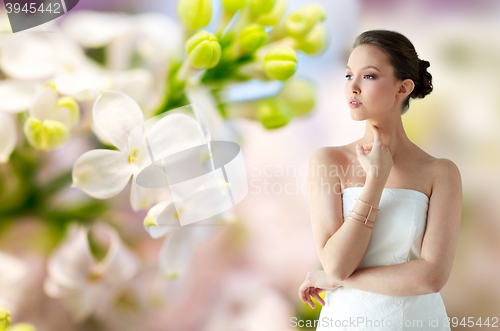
pixel 365 68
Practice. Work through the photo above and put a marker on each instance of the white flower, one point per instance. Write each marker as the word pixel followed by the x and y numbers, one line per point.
pixel 86 286
pixel 138 53
pixel 14 275
pixel 140 85
pixel 32 58
pixel 210 117
pixel 76 75
pixel 16 97
pixel 103 174
pixel 152 43
pixel 51 118
pixel 123 34
pixel 163 218
pixel 175 256
pixel 8 136
pixel 27 56
pixel 95 29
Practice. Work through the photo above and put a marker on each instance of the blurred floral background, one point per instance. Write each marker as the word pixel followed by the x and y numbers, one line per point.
pixel 82 246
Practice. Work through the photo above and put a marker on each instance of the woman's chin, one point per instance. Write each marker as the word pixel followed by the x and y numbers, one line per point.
pixel 357 117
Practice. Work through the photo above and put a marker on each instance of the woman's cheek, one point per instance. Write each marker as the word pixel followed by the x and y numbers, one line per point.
pixel 381 95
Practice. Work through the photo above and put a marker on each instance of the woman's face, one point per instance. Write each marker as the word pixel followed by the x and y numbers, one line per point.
pixel 370 80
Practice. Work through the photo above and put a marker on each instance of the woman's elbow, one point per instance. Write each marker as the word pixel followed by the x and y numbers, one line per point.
pixel 436 284
pixel 435 288
pixel 337 276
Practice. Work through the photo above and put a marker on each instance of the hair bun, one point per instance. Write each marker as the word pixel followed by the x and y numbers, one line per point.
pixel 424 86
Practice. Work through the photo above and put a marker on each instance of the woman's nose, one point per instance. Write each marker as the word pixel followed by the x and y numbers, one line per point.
pixel 355 88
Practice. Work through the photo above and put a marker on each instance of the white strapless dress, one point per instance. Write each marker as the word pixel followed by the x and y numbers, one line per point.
pixel 396 238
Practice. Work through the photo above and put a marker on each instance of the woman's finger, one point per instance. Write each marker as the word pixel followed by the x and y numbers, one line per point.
pixel 359 150
pixel 302 294
pixel 320 299
pixel 316 295
pixel 306 294
pixel 309 299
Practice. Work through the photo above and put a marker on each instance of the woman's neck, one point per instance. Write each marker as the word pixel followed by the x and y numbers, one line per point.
pixel 392 133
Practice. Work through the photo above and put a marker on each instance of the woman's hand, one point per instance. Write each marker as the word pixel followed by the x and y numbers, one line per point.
pixel 316 282
pixel 377 162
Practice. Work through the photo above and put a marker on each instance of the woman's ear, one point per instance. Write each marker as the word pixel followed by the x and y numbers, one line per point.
pixel 406 88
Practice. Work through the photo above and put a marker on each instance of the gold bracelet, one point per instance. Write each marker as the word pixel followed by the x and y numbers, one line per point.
pixel 366 203
pixel 360 220
pixel 371 207
pixel 367 220
pixel 371 227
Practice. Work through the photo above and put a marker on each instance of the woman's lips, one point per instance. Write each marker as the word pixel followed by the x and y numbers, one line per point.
pixel 354 104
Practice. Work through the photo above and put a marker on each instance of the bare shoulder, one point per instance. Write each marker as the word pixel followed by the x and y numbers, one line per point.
pixel 444 165
pixel 323 167
pixel 446 174
pixel 326 155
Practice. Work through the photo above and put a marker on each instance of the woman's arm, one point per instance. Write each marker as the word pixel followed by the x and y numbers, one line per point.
pixel 340 244
pixel 404 279
pixel 430 273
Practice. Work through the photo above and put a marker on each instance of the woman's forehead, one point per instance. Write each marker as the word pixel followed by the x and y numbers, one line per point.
pixel 367 55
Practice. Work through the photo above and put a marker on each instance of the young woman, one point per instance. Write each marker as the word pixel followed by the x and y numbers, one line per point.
pixel 385 214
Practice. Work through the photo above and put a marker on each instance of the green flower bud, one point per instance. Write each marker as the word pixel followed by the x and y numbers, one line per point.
pixel 194 14
pixel 300 95
pixel 232 6
pixel 299 23
pixel 273 113
pixel 22 327
pixel 273 17
pixel 4 318
pixel 280 62
pixel 46 136
pixel 203 50
pixel 261 6
pixel 252 37
pixel 316 41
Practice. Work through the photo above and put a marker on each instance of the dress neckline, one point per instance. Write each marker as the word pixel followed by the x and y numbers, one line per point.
pixel 392 188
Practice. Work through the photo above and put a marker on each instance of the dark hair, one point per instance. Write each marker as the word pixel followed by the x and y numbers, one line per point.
pixel 403 58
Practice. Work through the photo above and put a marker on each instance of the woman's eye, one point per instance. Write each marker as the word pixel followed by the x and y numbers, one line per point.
pixel 367 76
